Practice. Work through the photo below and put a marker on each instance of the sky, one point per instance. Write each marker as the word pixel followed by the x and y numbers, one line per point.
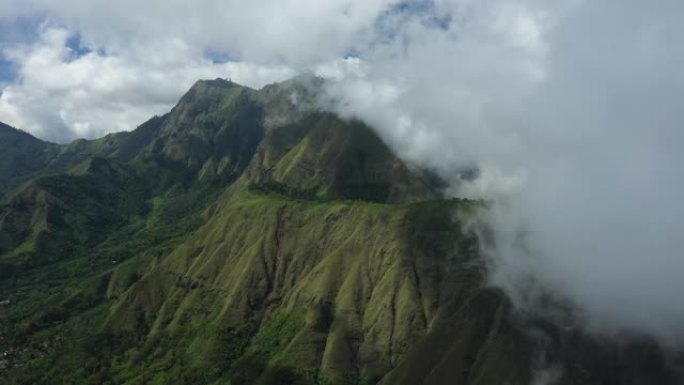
pixel 570 109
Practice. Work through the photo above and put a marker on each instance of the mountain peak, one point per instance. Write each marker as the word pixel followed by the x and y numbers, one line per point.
pixel 206 96
pixel 251 237
pixel 217 82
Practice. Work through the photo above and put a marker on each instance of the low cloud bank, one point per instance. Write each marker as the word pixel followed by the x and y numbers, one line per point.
pixel 572 113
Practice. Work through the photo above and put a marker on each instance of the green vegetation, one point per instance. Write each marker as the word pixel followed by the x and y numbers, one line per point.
pixel 240 239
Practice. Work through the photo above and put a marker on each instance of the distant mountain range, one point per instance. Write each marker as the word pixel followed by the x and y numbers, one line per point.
pixel 249 237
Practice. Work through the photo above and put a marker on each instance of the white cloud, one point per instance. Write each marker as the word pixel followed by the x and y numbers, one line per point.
pixel 273 31
pixel 60 95
pixel 573 112
pixel 145 55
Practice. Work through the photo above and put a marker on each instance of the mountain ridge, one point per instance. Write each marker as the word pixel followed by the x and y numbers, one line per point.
pixel 244 238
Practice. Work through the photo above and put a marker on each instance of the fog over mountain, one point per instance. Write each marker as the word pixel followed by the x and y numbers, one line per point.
pixel 572 114
pixel 571 111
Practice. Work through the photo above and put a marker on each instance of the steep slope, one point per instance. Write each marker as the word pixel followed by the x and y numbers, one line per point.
pixel 22 157
pixel 338 291
pixel 129 196
pixel 53 215
pixel 247 237
pixel 210 135
pixel 25 157
pixel 204 142
pixel 324 157
pixel 279 291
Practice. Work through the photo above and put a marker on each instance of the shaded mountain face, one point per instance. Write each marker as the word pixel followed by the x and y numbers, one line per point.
pixel 22 157
pixel 247 237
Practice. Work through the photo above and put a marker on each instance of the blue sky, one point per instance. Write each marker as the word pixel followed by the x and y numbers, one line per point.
pixel 25 31
pixel 16 31
pixel 8 71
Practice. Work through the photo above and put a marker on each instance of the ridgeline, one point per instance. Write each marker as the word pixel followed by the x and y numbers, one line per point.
pixel 245 239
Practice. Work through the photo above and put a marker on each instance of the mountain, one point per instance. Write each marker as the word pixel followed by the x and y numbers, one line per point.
pixel 22 157
pixel 249 237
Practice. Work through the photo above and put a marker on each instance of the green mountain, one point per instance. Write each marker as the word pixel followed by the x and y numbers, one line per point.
pixel 247 237
pixel 22 157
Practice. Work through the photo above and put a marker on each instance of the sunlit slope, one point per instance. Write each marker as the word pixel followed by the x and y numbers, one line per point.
pixel 357 284
pixel 250 237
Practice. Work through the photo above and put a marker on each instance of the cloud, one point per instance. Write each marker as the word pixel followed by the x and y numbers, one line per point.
pixel 572 111
pixel 142 57
pixel 61 95
pixel 273 31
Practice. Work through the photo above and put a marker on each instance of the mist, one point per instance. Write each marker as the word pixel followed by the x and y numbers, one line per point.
pixel 572 112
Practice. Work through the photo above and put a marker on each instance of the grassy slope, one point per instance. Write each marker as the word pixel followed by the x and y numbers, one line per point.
pixel 324 157
pixel 327 262
pixel 73 242
pixel 62 235
pixel 21 158
pixel 211 135
pixel 358 284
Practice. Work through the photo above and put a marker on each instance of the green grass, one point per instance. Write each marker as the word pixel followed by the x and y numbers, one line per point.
pixel 171 255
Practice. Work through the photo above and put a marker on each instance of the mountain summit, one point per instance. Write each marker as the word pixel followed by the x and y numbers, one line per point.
pixel 248 237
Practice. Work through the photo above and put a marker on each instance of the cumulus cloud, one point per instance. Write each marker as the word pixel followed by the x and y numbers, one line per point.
pixel 265 31
pixel 140 57
pixel 62 94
